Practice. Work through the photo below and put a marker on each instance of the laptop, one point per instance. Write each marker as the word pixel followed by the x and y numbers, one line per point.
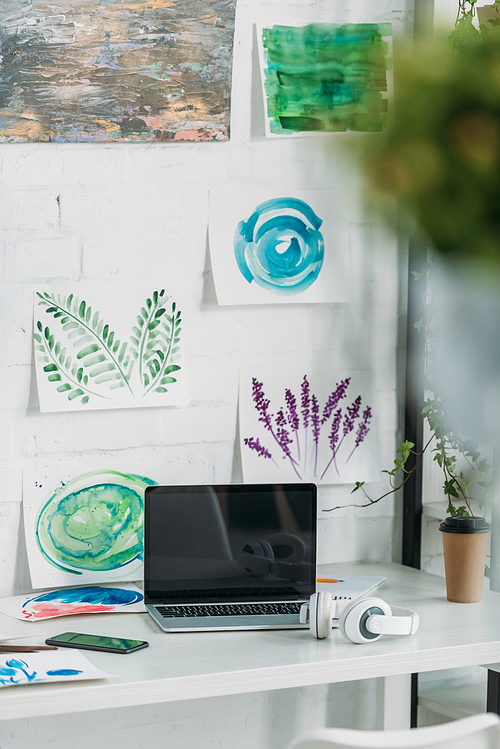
pixel 232 556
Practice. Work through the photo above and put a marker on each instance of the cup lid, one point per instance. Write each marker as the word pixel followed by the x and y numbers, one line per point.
pixel 464 524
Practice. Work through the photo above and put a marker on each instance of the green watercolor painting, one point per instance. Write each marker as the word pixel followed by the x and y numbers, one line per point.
pixel 84 360
pixel 93 523
pixel 325 77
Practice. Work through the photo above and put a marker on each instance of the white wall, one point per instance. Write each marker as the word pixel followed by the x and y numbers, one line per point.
pixel 121 215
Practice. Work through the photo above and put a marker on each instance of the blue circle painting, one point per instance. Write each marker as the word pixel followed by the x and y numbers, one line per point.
pixel 280 246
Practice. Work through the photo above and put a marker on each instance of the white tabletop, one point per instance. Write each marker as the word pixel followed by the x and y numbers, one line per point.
pixel 207 664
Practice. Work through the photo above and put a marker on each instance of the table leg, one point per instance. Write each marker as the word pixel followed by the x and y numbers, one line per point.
pixel 394 700
pixel 493 692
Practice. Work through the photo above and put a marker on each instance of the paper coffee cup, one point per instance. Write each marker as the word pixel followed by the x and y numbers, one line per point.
pixel 465 541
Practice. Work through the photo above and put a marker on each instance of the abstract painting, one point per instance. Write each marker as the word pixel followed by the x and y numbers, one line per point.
pixel 307 426
pixel 111 71
pixel 85 599
pixel 324 77
pixel 270 247
pixel 83 363
pixel 84 528
pixel 35 668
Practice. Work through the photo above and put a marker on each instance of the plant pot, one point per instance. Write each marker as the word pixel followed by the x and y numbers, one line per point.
pixel 465 540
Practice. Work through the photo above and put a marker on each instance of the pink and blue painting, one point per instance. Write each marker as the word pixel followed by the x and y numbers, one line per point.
pixel 84 599
pixel 115 70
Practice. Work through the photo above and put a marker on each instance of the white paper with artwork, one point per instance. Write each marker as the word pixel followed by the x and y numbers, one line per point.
pixel 114 349
pixel 279 246
pixel 84 527
pixel 319 77
pixel 302 423
pixel 17 669
pixel 84 599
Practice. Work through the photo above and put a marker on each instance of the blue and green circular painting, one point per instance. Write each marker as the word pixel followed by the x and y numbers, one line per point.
pixel 94 522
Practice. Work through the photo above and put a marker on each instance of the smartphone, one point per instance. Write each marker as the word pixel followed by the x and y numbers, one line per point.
pixel 96 642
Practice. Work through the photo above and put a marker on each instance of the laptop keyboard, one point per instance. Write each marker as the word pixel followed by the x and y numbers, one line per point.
pixel 230 609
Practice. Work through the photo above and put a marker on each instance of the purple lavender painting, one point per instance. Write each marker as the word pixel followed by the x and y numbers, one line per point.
pixel 312 428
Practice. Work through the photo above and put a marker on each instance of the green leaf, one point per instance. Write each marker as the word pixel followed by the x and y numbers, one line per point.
pixel 171 368
pixel 75 394
pixel 106 367
pixel 87 350
pixel 449 488
pixel 97 359
pixel 123 350
pixel 359 485
pixel 405 450
pixel 168 380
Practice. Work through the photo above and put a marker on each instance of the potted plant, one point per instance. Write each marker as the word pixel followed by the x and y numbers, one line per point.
pixel 467 477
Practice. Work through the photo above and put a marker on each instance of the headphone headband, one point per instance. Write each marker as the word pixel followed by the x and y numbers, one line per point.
pixel 362 620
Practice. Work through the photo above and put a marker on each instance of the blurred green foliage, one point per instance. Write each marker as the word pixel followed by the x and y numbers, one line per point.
pixel 440 154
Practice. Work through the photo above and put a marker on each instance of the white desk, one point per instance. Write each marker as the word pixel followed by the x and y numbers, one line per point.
pixel 209 664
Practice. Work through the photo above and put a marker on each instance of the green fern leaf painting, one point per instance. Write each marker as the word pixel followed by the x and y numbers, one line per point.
pixel 89 357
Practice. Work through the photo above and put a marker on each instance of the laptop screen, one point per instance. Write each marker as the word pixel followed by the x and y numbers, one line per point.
pixel 233 542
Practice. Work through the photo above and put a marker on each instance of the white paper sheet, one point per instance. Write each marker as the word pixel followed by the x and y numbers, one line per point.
pixel 279 246
pixel 85 599
pixel 102 350
pixel 84 527
pixel 307 424
pixel 55 665
pixel 343 97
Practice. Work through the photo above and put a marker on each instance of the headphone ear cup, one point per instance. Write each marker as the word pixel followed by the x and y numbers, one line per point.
pixel 256 557
pixel 321 614
pixel 287 547
pixel 352 620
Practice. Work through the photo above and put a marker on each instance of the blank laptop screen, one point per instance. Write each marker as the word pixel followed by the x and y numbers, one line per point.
pixel 229 543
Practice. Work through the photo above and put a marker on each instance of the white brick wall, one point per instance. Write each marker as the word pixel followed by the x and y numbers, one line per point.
pixel 127 215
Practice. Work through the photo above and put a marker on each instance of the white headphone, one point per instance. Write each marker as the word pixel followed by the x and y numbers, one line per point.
pixel 362 620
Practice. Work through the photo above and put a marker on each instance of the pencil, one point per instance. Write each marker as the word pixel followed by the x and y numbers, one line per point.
pixel 327 580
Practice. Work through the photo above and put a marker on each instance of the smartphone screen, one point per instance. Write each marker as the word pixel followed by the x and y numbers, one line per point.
pixel 96 642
